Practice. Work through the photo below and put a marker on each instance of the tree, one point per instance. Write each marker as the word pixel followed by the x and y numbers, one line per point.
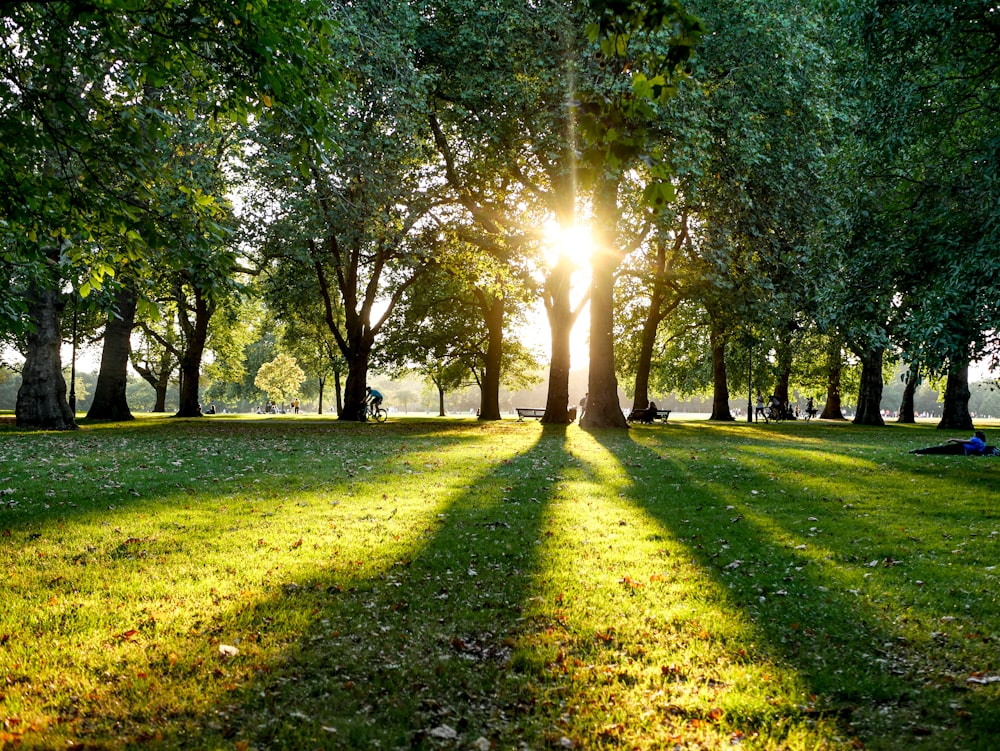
pixel 41 400
pixel 439 332
pixel 747 137
pixel 503 130
pixel 91 100
pixel 642 50
pixel 110 400
pixel 955 415
pixel 911 379
pixel 653 288
pixel 919 173
pixel 354 213
pixel 280 378
pixel 155 359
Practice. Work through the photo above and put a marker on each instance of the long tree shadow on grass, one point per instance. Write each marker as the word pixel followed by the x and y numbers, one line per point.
pixel 102 517
pixel 408 655
pixel 469 628
pixel 847 649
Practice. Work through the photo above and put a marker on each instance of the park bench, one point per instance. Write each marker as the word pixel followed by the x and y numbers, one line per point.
pixel 643 415
pixel 535 412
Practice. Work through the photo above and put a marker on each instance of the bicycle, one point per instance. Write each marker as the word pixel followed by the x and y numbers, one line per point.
pixel 375 412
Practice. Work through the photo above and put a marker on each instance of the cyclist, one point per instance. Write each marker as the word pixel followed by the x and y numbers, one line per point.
pixel 374 399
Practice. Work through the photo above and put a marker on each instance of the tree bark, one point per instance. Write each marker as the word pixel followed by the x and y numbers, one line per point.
pixel 561 320
pixel 440 401
pixel 784 374
pixel 907 414
pixel 603 409
pixel 157 374
pixel 720 385
pixel 640 398
pixel 110 400
pixel 489 402
pixel 870 392
pixel 955 415
pixel 339 407
pixel 195 338
pixel 354 387
pixel 835 366
pixel 41 399
pixel 158 378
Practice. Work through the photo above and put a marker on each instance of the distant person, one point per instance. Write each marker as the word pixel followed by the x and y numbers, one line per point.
pixel 651 410
pixel 583 404
pixel 759 410
pixel 974 446
pixel 373 399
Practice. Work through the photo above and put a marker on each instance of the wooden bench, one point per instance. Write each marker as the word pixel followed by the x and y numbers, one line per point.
pixel 642 415
pixel 535 412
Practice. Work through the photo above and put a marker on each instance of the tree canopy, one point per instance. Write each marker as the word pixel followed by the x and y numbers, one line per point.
pixel 779 192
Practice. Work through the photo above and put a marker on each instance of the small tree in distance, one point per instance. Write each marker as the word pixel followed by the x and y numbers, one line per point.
pixel 280 378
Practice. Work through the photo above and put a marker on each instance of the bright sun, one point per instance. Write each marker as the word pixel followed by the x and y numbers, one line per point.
pixel 574 241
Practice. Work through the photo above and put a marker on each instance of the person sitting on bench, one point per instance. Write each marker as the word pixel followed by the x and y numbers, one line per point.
pixel 974 446
pixel 645 415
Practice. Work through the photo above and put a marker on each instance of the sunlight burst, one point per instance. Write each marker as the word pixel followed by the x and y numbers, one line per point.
pixel 575 242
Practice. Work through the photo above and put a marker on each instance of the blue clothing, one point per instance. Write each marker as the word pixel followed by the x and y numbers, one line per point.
pixel 975 446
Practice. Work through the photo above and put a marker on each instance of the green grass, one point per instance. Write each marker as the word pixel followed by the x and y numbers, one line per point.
pixel 446 584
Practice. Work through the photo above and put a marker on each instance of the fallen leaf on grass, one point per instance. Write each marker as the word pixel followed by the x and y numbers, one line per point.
pixel 227 651
pixel 630 584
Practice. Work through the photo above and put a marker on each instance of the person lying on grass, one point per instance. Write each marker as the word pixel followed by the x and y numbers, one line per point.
pixel 974 446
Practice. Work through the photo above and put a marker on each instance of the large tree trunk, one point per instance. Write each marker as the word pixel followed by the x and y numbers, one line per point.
pixel 489 401
pixel 784 369
pixel 603 409
pixel 160 381
pixel 645 362
pixel 647 343
pixel 355 395
pixel 835 366
pixel 339 408
pixel 720 385
pixel 956 400
pixel 561 320
pixel 912 378
pixel 322 386
pixel 110 401
pixel 656 313
pixel 196 336
pixel 440 389
pixel 870 392
pixel 41 399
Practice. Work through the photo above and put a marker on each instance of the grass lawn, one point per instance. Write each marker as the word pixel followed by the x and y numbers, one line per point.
pixel 298 583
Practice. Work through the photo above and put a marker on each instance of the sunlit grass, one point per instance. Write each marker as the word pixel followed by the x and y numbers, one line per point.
pixel 242 583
